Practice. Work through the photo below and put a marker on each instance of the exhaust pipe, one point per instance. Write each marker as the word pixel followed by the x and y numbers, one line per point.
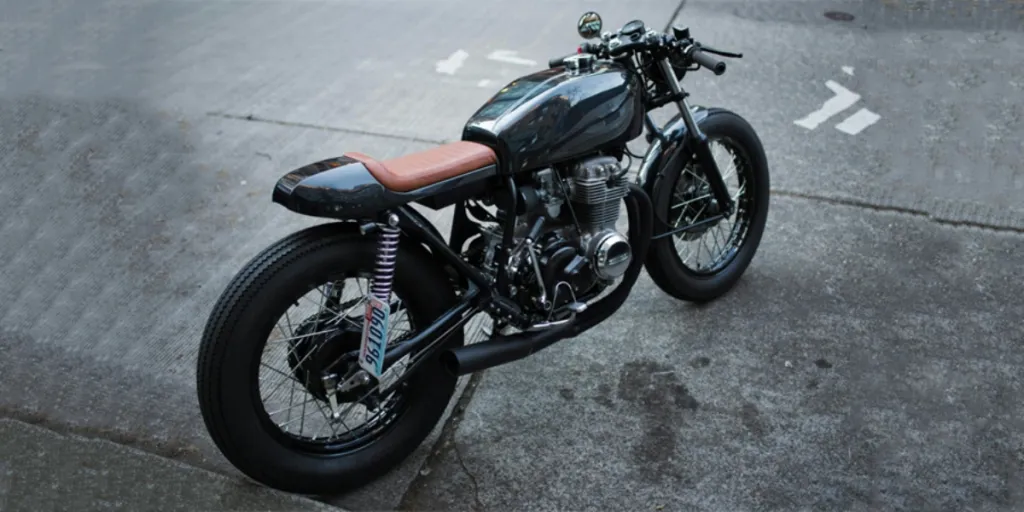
pixel 501 349
pixel 505 349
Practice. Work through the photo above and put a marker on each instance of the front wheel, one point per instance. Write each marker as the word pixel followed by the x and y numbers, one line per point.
pixel 287 321
pixel 704 264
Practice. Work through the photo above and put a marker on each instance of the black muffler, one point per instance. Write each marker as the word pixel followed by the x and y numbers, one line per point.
pixel 502 349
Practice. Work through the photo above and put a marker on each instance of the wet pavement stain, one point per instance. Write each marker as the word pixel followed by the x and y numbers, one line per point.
pixel 604 396
pixel 751 419
pixel 839 16
pixel 662 399
pixel 700 362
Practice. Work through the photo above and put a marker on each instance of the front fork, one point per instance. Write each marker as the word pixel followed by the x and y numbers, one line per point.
pixel 698 140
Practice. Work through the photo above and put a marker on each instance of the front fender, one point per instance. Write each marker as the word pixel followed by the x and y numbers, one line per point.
pixel 660 154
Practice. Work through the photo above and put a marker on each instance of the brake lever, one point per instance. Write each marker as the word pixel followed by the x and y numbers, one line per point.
pixel 709 49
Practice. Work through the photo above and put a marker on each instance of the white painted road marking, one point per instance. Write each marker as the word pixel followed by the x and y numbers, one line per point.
pixel 856 123
pixel 848 70
pixel 843 99
pixel 509 56
pixel 483 83
pixel 452 63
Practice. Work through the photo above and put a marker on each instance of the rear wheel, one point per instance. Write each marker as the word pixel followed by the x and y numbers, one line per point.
pixel 702 265
pixel 284 323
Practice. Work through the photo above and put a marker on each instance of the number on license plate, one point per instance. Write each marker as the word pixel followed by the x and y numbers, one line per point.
pixel 375 336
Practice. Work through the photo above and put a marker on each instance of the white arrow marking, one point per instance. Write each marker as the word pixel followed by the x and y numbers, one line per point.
pixel 509 56
pixel 452 63
pixel 857 122
pixel 843 99
pixel 848 70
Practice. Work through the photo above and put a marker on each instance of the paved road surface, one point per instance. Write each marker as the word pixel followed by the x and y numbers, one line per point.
pixel 867 359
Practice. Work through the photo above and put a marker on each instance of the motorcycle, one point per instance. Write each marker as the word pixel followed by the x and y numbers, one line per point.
pixel 537 184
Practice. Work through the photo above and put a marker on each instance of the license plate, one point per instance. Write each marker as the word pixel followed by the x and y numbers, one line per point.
pixel 375 336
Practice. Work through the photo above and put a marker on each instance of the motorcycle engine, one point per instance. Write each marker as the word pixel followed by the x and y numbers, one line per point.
pixel 579 248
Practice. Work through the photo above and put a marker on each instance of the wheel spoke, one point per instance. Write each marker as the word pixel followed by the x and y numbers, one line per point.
pixel 690 201
pixel 328 420
pixel 302 336
pixel 287 378
pixel 290 407
pixel 718 248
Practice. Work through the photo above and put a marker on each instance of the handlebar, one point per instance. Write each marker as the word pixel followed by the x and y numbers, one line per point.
pixel 715 65
pixel 652 41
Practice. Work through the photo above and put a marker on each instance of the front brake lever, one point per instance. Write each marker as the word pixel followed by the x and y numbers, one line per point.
pixel 709 49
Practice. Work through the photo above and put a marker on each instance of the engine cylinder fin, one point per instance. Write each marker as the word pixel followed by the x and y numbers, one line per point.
pixel 598 187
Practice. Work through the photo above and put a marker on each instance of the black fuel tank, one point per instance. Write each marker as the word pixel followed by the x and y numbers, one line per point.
pixel 555 115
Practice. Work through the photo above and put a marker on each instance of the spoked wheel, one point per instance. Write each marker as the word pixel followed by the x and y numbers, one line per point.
pixel 280 339
pixel 702 264
pixel 303 362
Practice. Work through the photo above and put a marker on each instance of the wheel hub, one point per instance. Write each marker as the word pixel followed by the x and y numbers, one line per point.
pixel 314 357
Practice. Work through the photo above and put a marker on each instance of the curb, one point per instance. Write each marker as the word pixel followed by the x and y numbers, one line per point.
pixel 43 470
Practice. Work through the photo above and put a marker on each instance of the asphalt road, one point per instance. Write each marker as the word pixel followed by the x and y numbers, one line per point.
pixel 869 359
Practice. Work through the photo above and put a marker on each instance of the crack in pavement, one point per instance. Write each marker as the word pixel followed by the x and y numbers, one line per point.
pixel 168 449
pixel 477 505
pixel 257 119
pixel 916 212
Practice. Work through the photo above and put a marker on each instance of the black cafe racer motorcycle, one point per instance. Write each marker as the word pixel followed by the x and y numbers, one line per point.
pixel 333 353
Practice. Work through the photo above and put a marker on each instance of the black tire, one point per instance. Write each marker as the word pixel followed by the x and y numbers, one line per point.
pixel 664 264
pixel 240 324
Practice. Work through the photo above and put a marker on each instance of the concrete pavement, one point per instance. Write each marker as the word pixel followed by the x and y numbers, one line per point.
pixel 140 141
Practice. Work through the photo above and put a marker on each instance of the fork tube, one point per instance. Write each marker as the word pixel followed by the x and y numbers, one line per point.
pixel 699 141
pixel 680 94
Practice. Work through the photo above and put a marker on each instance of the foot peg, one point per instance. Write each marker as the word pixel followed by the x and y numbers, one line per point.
pixel 577 307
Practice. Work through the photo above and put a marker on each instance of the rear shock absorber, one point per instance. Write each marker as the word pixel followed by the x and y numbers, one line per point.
pixel 387 254
pixel 378 305
pixel 378 308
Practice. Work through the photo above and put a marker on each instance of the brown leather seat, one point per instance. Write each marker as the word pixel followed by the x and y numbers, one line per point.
pixel 416 170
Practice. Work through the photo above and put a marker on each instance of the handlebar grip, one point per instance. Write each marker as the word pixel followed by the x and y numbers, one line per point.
pixel 715 65
pixel 557 61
